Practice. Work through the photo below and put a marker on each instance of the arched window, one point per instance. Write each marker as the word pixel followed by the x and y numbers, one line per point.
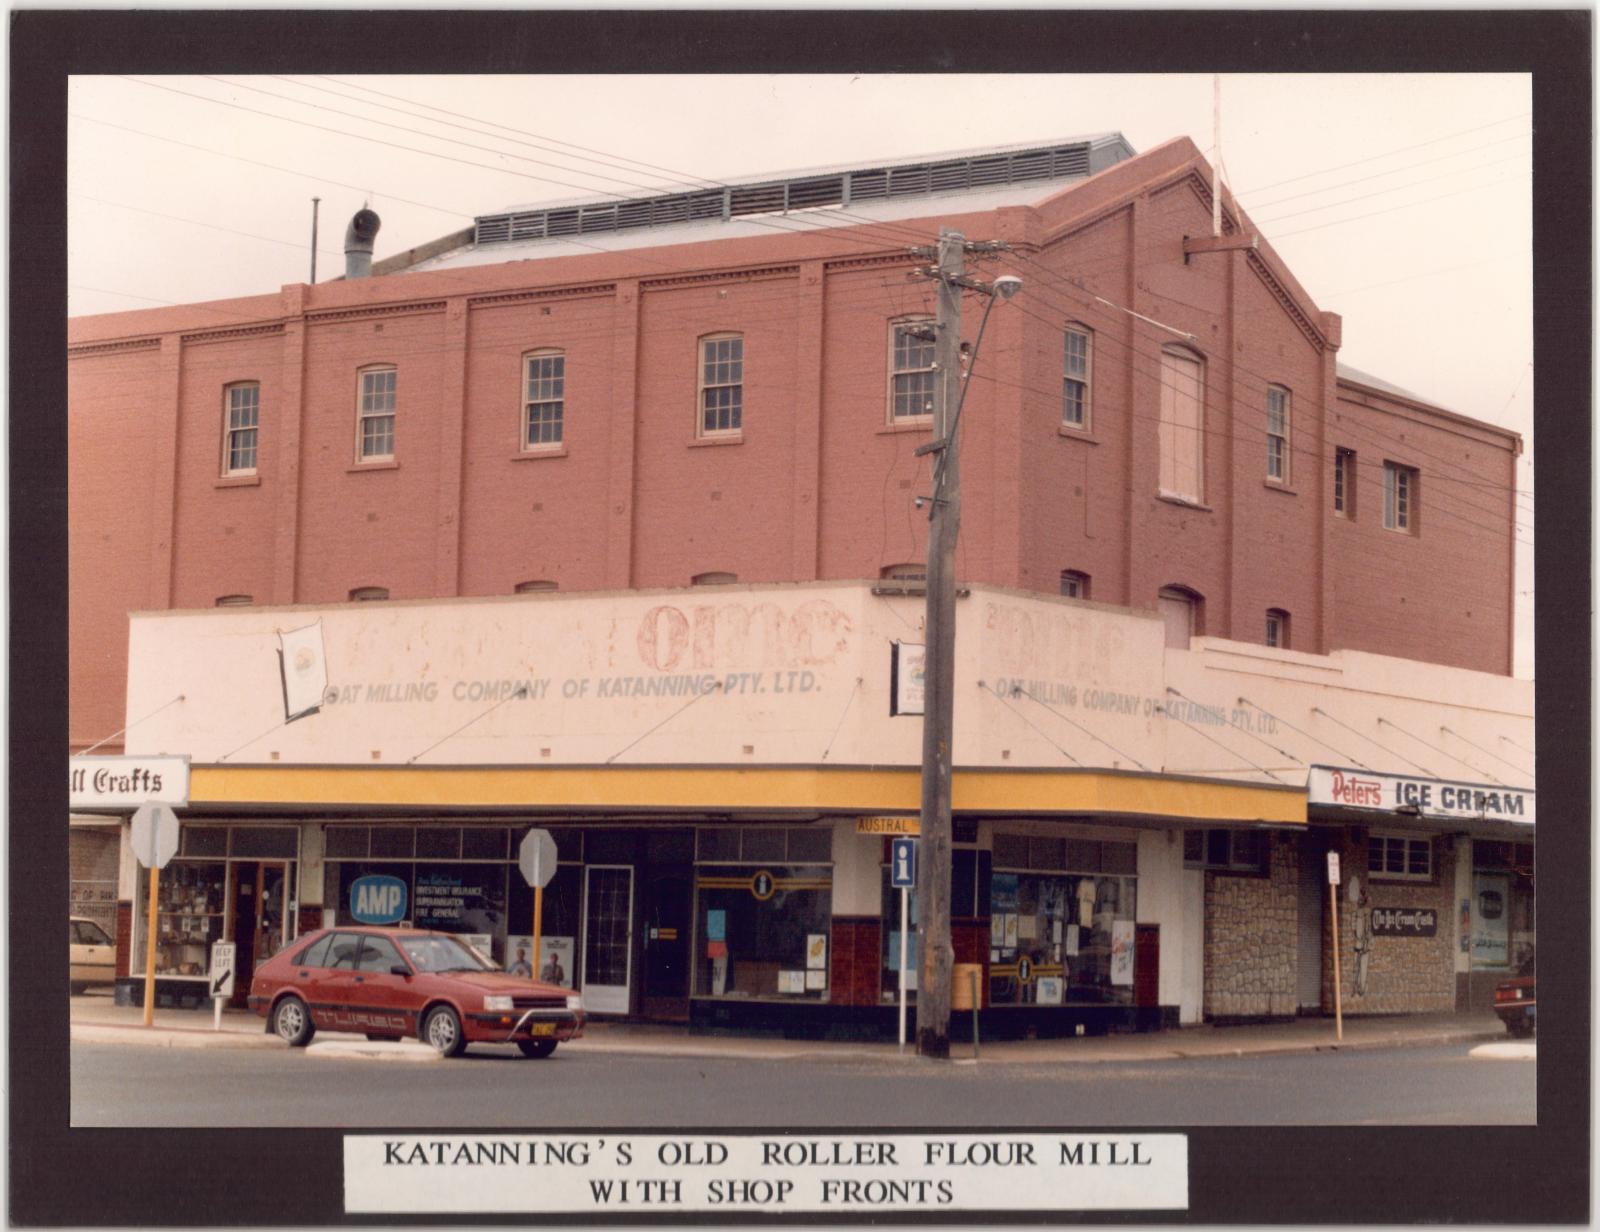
pixel 1277 627
pixel 240 424
pixel 911 370
pixel 1182 427
pixel 1181 609
pixel 1074 585
pixel 375 403
pixel 713 579
pixel 721 393
pixel 369 594
pixel 1077 381
pixel 544 399
pixel 234 600
pixel 525 588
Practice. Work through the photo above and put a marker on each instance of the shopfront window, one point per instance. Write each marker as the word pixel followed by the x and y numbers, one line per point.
pixel 191 901
pixel 969 885
pixel 1061 924
pixel 763 931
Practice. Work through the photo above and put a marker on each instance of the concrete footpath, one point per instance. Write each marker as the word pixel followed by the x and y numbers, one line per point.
pixel 97 1019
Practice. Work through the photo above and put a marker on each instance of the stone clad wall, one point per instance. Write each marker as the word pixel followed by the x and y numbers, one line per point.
pixel 1250 938
pixel 1405 975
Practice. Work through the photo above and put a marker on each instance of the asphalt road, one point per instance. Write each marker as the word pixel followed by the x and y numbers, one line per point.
pixel 119 1085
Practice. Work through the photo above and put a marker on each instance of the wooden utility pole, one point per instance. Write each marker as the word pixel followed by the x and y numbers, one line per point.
pixel 933 884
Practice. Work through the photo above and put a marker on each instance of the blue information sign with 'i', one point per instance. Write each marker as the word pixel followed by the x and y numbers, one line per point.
pixel 903 863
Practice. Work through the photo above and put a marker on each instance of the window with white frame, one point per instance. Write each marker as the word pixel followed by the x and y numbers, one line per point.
pixel 1399 497
pixel 1344 483
pixel 1074 585
pixel 243 417
pixel 375 415
pixel 1182 424
pixel 544 399
pixel 1399 857
pixel 1077 377
pixel 911 370
pixel 1277 434
pixel 721 385
pixel 1277 627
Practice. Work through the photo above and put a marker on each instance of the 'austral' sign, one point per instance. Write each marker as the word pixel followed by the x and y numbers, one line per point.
pixel 377 899
pixel 1343 787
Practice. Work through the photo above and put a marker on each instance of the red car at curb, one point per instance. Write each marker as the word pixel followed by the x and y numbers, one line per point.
pixel 394 982
pixel 1516 1002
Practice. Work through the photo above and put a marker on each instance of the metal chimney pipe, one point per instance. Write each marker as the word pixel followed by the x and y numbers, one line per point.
pixel 358 237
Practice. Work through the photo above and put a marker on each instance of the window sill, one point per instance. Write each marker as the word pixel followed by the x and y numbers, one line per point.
pixel 727 438
pixel 237 481
pixel 387 465
pixel 922 423
pixel 534 455
pixel 1272 485
pixel 1183 502
pixel 1077 434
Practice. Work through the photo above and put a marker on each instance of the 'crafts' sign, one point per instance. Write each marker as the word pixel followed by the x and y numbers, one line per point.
pixel 377 899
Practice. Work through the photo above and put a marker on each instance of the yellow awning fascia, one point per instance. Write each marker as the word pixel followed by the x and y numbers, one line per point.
pixel 841 789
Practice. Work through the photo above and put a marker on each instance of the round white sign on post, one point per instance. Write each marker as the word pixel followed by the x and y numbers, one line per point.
pixel 155 835
pixel 537 858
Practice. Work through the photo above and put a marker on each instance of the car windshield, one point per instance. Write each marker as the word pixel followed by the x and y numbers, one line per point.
pixel 442 954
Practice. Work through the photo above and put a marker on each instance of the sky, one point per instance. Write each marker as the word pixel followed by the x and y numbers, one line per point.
pixel 1402 202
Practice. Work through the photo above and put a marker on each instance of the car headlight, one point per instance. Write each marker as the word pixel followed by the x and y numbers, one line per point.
pixel 502 1004
pixel 575 1002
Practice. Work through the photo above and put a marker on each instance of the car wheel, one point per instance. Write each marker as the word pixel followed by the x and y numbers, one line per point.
pixel 1520 1030
pixel 291 1022
pixel 537 1048
pixel 441 1029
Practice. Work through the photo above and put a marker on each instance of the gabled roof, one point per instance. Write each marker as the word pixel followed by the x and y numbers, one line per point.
pixel 849 195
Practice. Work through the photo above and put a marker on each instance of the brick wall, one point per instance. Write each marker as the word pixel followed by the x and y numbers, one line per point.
pixel 1250 938
pixel 818 484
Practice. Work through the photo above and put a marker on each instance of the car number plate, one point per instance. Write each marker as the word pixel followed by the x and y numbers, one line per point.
pixel 542 1028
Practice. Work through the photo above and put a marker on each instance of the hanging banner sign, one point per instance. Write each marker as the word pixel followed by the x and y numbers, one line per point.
pixel 907 678
pixel 127 782
pixel 1343 787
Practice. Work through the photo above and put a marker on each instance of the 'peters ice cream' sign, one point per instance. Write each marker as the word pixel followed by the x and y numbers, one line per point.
pixel 1343 787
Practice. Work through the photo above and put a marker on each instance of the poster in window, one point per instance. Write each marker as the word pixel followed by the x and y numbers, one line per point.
pixel 716 925
pixel 816 981
pixel 1122 951
pixel 1072 940
pixel 816 951
pixel 1050 990
pixel 791 981
pixel 1491 922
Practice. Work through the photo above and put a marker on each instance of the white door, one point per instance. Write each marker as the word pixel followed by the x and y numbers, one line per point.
pixel 607 937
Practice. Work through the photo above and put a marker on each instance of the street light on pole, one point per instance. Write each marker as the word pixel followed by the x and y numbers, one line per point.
pixel 933 886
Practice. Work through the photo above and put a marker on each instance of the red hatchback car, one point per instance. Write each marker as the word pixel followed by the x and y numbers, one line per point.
pixel 392 982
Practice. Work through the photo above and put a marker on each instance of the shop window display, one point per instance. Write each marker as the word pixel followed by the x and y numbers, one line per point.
pixel 1061 938
pixel 189 915
pixel 763 932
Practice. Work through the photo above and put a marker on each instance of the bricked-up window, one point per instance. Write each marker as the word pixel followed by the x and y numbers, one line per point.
pixel 544 399
pixel 911 370
pixel 714 579
pixel 1225 851
pixel 1277 434
pixel 1399 857
pixel 1277 627
pixel 234 600
pixel 243 416
pixel 1180 609
pixel 1344 483
pixel 1182 427
pixel 1399 497
pixel 369 594
pixel 1074 585
pixel 721 385
pixel 524 588
pixel 1077 378
pixel 375 415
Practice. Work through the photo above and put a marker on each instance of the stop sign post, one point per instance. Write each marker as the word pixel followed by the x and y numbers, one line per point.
pixel 537 859
pixel 155 841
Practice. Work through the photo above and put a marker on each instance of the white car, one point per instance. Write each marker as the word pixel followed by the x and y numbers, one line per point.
pixel 94 955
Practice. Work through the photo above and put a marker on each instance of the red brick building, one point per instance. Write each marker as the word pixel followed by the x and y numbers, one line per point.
pixel 1379 523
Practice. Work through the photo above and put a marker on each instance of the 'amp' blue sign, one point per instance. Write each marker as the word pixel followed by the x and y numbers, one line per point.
pixel 378 899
